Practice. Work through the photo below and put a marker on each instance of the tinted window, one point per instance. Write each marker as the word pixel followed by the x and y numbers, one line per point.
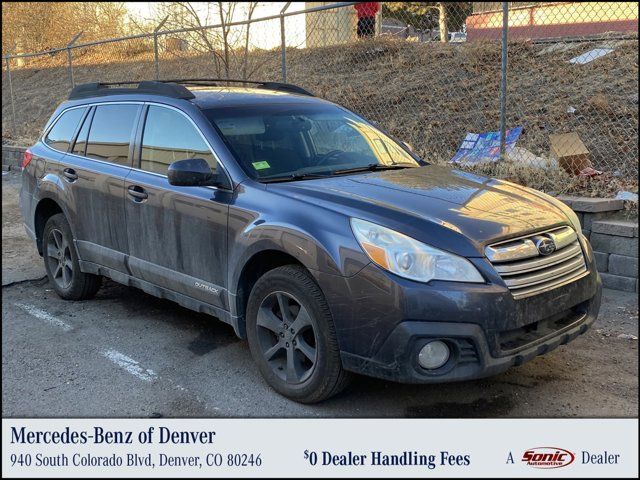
pixel 169 136
pixel 59 137
pixel 81 142
pixel 110 133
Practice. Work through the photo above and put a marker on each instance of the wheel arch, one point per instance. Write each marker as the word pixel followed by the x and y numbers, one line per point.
pixel 255 267
pixel 45 209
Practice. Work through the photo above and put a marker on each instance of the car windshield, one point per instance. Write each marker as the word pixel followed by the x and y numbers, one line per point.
pixel 285 141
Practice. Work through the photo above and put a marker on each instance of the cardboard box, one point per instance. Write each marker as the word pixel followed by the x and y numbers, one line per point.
pixel 570 152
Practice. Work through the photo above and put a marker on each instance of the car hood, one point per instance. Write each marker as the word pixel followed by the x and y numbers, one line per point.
pixel 481 209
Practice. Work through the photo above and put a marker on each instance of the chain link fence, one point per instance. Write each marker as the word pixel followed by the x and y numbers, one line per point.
pixel 544 94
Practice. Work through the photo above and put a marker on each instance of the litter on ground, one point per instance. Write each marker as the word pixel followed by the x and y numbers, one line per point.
pixel 523 156
pixel 591 55
pixel 589 172
pixel 629 196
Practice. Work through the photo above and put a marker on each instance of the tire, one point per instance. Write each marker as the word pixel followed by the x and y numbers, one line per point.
pixel 302 360
pixel 61 262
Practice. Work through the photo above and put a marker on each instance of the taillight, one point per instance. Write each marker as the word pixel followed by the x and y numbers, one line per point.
pixel 26 158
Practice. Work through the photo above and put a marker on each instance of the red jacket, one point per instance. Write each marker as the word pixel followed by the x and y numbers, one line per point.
pixel 367 9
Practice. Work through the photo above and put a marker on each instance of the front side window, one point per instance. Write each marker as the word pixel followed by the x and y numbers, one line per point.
pixel 61 134
pixel 110 133
pixel 169 136
pixel 285 140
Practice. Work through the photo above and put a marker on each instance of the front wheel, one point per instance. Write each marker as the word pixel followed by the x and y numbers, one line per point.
pixel 292 337
pixel 61 262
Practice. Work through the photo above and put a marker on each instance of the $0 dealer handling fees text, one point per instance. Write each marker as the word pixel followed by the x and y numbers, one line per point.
pixel 378 458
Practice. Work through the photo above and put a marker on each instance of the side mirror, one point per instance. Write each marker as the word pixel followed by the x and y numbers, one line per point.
pixel 193 172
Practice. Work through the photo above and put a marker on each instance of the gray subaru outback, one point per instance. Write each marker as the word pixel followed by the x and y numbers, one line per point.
pixel 321 239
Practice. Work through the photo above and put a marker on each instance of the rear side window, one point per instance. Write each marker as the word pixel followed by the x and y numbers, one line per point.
pixel 60 135
pixel 169 136
pixel 110 133
pixel 81 142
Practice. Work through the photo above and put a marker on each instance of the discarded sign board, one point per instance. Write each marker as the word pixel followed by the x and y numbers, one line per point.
pixel 484 147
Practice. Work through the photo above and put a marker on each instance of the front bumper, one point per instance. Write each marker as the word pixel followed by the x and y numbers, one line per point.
pixel 383 321
pixel 471 354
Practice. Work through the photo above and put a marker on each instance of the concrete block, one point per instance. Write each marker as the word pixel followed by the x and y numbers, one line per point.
pixel 589 218
pixel 592 205
pixel 12 156
pixel 623 265
pixel 602 261
pixel 615 227
pixel 612 244
pixel 617 282
pixel 586 233
pixel 566 199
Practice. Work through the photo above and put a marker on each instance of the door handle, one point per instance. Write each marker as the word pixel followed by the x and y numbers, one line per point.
pixel 137 193
pixel 70 174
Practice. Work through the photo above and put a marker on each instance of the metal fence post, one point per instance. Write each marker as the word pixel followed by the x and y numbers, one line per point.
pixel 503 80
pixel 70 58
pixel 155 46
pixel 13 103
pixel 283 42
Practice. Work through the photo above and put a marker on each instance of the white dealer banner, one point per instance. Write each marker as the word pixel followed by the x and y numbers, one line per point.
pixel 319 448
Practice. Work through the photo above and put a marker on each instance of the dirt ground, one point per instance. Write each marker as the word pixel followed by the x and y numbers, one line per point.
pixel 127 354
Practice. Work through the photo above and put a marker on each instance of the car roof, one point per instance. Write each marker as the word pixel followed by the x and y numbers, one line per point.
pixel 217 97
pixel 201 97
pixel 203 93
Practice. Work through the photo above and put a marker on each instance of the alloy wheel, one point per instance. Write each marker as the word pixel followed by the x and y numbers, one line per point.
pixel 59 258
pixel 287 337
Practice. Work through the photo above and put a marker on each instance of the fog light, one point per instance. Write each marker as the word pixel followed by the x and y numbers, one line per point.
pixel 433 355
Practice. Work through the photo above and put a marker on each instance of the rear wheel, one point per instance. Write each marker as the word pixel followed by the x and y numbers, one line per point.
pixel 61 262
pixel 292 337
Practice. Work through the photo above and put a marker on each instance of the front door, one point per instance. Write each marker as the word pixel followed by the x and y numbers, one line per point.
pixel 177 235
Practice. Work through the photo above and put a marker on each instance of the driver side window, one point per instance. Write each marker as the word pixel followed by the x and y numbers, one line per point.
pixel 169 136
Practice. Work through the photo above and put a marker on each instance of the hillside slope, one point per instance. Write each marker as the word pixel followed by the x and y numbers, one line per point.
pixel 429 95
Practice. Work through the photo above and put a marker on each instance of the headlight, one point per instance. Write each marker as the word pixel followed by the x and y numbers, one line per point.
pixel 409 258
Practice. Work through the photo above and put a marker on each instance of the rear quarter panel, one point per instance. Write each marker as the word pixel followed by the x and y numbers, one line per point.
pixel 40 180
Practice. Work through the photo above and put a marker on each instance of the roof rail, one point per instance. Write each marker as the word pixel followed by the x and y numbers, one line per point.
pixel 217 82
pixel 166 89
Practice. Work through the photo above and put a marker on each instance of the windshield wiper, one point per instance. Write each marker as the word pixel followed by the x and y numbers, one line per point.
pixel 372 167
pixel 294 177
pixel 375 167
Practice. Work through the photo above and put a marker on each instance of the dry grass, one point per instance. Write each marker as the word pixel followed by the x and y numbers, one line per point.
pixel 430 95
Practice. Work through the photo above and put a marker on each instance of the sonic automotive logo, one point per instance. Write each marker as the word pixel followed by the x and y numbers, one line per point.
pixel 548 457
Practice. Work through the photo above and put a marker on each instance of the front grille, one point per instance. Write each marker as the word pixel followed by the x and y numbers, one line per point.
pixel 528 272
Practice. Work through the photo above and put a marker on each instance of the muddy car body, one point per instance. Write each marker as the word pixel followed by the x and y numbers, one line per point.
pixel 286 207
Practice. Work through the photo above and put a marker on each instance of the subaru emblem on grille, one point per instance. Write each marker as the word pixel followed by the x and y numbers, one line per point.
pixel 545 246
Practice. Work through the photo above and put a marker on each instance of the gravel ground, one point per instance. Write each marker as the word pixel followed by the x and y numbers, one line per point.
pixel 128 354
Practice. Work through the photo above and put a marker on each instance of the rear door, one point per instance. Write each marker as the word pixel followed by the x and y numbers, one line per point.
pixel 95 170
pixel 177 235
